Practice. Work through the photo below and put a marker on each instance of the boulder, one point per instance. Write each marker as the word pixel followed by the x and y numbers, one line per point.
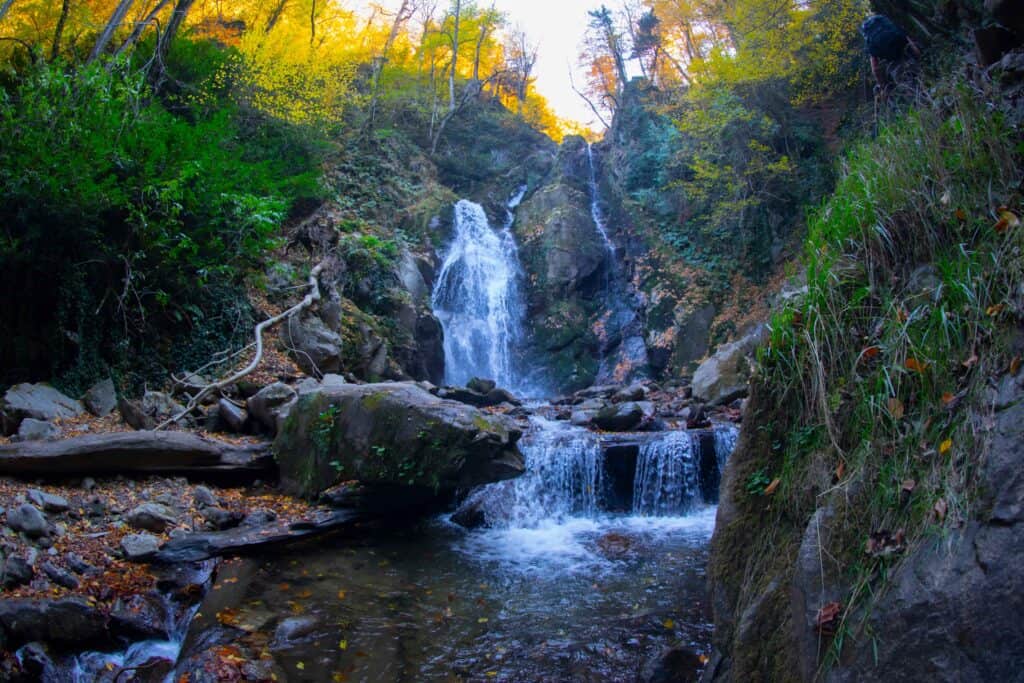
pixel 723 377
pixel 270 405
pixel 37 401
pixel 393 433
pixel 28 520
pixel 232 416
pixel 32 429
pixel 47 501
pixel 315 347
pixel 160 406
pixel 16 572
pixel 480 385
pixel 133 415
pixel 623 417
pixel 151 517
pixel 101 398
pixel 203 497
pixel 138 547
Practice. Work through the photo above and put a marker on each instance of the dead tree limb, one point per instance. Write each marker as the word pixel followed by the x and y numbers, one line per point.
pixel 312 297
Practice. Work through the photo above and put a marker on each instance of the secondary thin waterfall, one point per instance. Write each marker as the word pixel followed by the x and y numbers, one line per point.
pixel 478 300
pixel 667 478
pixel 623 350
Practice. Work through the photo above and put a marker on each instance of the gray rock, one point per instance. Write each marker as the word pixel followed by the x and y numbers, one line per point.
pixel 582 418
pixel 393 433
pixel 232 416
pixel 724 376
pixel 271 404
pixel 31 429
pixel 49 502
pixel 160 406
pixel 634 392
pixel 28 520
pixel 315 347
pixel 16 572
pixel 220 519
pixel 78 565
pixel 294 628
pixel 101 398
pixel 623 417
pixel 480 385
pixel 204 497
pixel 140 546
pixel 133 415
pixel 151 517
pixel 59 576
pixel 37 401
pixel 259 518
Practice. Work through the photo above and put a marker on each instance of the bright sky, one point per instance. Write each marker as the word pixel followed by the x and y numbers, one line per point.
pixel 558 26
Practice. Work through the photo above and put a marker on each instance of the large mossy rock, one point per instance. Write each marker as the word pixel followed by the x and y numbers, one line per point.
pixel 393 434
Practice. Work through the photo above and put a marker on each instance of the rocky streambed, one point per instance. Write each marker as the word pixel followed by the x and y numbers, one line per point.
pixel 350 550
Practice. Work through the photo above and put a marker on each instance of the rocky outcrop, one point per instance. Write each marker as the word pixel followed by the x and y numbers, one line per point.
pixel 392 433
pixel 724 376
pixel 564 258
pixel 36 401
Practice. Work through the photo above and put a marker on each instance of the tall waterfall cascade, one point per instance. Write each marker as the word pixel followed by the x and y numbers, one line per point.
pixel 478 298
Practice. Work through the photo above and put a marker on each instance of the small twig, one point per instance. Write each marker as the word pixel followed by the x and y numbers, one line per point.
pixel 312 297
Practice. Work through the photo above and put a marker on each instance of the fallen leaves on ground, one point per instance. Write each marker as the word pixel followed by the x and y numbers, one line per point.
pixel 885 544
pixel 828 617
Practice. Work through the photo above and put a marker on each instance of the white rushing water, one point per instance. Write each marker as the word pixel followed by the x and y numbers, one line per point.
pixel 550 520
pixel 478 299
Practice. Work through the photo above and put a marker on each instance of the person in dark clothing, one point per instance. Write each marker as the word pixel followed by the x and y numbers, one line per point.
pixel 888 46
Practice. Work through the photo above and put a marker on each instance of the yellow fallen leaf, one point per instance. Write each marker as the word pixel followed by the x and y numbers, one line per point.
pixel 668 623
pixel 945 446
pixel 341 595
pixel 482 620
pixel 492 674
pixel 343 645
pixel 339 677
pixel 300 666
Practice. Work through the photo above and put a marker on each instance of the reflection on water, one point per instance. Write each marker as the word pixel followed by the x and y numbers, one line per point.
pixel 587 599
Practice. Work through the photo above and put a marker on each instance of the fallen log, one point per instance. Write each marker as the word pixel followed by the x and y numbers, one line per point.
pixel 247 540
pixel 142 452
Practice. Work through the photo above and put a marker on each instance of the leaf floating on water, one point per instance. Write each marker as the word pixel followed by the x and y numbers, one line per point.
pixel 482 620
pixel 668 623
pixel 492 674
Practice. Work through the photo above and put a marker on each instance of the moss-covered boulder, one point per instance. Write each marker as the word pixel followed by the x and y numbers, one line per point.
pixel 393 434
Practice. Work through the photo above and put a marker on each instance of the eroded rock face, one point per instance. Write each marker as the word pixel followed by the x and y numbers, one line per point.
pixel 395 434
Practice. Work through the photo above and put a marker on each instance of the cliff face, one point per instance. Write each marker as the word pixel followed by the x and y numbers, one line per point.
pixel 870 515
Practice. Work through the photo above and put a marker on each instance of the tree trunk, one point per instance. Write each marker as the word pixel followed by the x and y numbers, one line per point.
pixel 173 26
pixel 312 23
pixel 403 15
pixel 140 28
pixel 275 15
pixel 55 49
pixel 455 58
pixel 108 31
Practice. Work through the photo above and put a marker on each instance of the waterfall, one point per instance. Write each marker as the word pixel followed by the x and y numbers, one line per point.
pixel 623 350
pixel 667 478
pixel 478 299
pixel 564 477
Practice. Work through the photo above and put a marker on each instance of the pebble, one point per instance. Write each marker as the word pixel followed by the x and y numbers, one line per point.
pixel 47 501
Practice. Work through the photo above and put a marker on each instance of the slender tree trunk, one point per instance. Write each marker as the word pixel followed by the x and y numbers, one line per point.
pixel 55 48
pixel 108 31
pixel 275 15
pixel 181 9
pixel 403 15
pixel 140 28
pixel 455 57
pixel 4 8
pixel 312 23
